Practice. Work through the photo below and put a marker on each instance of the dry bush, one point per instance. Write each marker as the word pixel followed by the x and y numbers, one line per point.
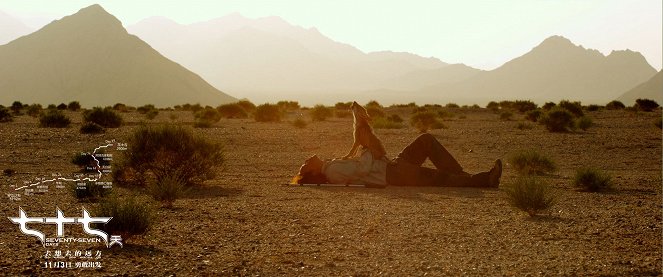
pixel 105 117
pixel 530 194
pixel 615 105
pixel 423 121
pixel 5 115
pixel 557 119
pixel 267 113
pixel 92 128
pixel 646 105
pixel 168 188
pixel 574 107
pixel 54 119
pixel 592 179
pixel 299 123
pixel 130 216
pixel 532 162
pixel 233 110
pixel 320 113
pixel 584 123
pixel 74 106
pixel 386 123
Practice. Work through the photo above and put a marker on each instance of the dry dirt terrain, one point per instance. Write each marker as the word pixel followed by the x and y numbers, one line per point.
pixel 244 222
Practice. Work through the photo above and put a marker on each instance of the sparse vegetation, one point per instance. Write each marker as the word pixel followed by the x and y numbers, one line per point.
pixel 375 111
pixel 374 104
pixel 164 149
pixel 342 113
pixel 395 118
pixel 131 217
pixel 145 108
pixel 532 162
pixel 62 106
pixel 267 113
pixel 548 105
pixel 574 107
pixel 343 106
pixel 16 107
pixel 584 122
pixel 533 115
pixel 452 106
pixel 206 117
pixel 387 123
pixel 523 106
pixel 506 115
pixel 615 105
pixel 493 106
pixel 34 110
pixel 5 115
pixel 592 179
pixel 92 128
pixel 424 121
pixel 168 188
pixel 288 105
pixel 445 114
pixel 121 107
pixel 524 126
pixel 105 117
pixel 247 106
pixel 74 106
pixel 557 119
pixel 530 194
pixel 299 123
pixel 54 119
pixel 593 108
pixel 233 110
pixel 646 105
pixel 151 114
pixel 89 191
pixel 320 113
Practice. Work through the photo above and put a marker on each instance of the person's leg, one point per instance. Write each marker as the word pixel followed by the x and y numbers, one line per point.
pixel 427 146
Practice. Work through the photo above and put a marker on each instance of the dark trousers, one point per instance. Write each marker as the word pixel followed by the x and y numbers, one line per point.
pixel 406 169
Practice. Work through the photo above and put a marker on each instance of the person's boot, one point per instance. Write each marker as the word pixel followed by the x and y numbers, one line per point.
pixel 495 174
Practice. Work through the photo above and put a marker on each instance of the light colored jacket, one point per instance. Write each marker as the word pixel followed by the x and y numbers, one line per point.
pixel 362 170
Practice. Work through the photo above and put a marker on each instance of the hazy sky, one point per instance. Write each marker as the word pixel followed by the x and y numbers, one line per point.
pixel 480 33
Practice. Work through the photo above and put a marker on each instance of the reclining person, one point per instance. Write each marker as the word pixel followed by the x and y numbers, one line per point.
pixel 404 170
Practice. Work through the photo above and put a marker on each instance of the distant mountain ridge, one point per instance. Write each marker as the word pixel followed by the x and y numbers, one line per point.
pixel 89 57
pixel 554 70
pixel 11 28
pixel 651 89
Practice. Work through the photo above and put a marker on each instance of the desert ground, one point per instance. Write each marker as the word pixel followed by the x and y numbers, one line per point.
pixel 244 222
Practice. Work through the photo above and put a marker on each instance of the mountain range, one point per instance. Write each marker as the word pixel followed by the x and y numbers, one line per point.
pixel 89 57
pixel 11 28
pixel 651 89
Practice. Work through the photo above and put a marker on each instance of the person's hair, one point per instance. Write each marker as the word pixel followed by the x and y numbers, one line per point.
pixel 310 178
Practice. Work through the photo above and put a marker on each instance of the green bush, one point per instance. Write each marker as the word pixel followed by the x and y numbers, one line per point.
pixel 233 110
pixel 423 121
pixel 62 106
pixel 5 115
pixel 646 105
pixel 54 119
pixel 267 113
pixel 74 106
pixel 34 110
pixel 533 115
pixel 574 107
pixel 131 217
pixel 92 128
pixel 557 119
pixel 320 113
pixel 530 194
pixel 615 105
pixel 168 188
pixel 165 149
pixel 592 179
pixel 299 123
pixel 105 117
pixel 506 115
pixel 584 123
pixel 386 123
pixel 532 162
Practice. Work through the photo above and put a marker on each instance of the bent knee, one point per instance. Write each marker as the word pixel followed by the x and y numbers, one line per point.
pixel 426 137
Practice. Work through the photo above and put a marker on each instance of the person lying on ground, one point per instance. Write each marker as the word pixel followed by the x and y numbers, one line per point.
pixel 404 170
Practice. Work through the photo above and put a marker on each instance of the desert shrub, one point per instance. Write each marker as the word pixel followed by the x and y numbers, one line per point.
pixel 8 172
pixel 506 115
pixel 91 128
pixel 574 107
pixel 74 106
pixel 288 105
pixel 395 118
pixel 386 123
pixel 89 191
pixel 548 105
pixel 208 114
pixel 593 108
pixel 247 105
pixel 195 108
pixel 342 113
pixel 343 106
pixel 506 104
pixel 615 105
pixel 54 119
pixel 16 107
pixel 320 113
pixel 419 109
pixel 151 114
pixel 131 217
pixel 524 106
pixel 524 126
pixel 105 117
pixel 445 114
pixel 557 120
pixel 532 162
pixel 533 115
pixel 267 113
pixel 375 112
pixel 121 107
pixel 584 122
pixel 202 123
pixel 452 106
pixel 374 104
pixel 165 149
pixel 530 194
pixel 34 110
pixel 62 106
pixel 592 179
pixel 646 105
pixel 145 108
pixel 657 122
pixel 5 115
pixel 475 106
pixel 173 117
pixel 492 105
pixel 424 121
pixel 233 110
pixel 432 106
pixel 299 123
pixel 51 107
pixel 87 163
pixel 168 188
